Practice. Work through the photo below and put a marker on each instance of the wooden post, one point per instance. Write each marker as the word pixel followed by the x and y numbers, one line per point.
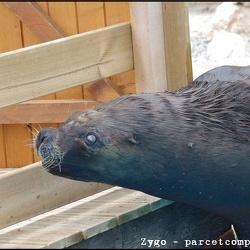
pixel 177 44
pixel 161 44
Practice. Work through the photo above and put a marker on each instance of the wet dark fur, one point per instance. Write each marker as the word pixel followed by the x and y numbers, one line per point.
pixel 190 146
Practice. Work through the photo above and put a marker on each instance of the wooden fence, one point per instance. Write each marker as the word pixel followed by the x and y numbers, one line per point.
pixel 54 76
pixel 102 59
pixel 42 84
pixel 24 24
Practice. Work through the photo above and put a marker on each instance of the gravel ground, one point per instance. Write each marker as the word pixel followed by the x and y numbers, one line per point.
pixel 220 34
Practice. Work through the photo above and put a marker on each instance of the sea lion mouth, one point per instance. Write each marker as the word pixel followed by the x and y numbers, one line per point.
pixel 47 150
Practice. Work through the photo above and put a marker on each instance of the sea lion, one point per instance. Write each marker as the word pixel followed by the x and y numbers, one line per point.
pixel 190 146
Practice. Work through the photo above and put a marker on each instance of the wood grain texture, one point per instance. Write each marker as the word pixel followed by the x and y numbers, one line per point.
pixel 103 90
pixel 90 16
pixel 30 191
pixel 64 14
pixel 37 20
pixel 170 225
pixel 177 44
pixel 148 46
pixel 29 39
pixel 161 45
pixel 72 61
pixel 36 27
pixel 14 136
pixel 118 12
pixel 43 111
pixel 18 145
pixel 81 220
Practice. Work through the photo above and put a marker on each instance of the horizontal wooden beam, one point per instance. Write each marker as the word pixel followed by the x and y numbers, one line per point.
pixel 43 111
pixel 31 190
pixel 46 68
pixel 46 29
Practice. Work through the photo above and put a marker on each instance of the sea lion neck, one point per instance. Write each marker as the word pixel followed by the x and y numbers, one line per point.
pixel 190 146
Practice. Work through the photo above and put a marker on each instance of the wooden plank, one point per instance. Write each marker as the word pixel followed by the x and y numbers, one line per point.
pixel 17 136
pixel 43 111
pixel 177 44
pixel 6 170
pixel 148 46
pixel 90 16
pixel 73 60
pixel 29 39
pixel 64 14
pixel 29 35
pixel 8 22
pixel 103 90
pixel 118 12
pixel 30 191
pixel 156 44
pixel 37 20
pixel 3 163
pixel 61 12
pixel 81 219
pixel 17 145
pixel 12 135
pixel 165 228
pixel 96 221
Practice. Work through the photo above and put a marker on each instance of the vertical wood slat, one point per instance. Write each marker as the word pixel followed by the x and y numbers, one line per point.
pixel 64 14
pixel 18 141
pixel 11 23
pixel 162 55
pixel 14 136
pixel 118 12
pixel 36 27
pixel 29 38
pixel 90 16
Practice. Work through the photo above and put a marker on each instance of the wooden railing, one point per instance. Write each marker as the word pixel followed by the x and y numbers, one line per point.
pixel 155 43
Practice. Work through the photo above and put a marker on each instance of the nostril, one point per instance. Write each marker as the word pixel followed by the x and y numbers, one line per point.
pixel 42 135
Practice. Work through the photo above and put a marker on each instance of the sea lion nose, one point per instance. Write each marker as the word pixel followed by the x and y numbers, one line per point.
pixel 44 135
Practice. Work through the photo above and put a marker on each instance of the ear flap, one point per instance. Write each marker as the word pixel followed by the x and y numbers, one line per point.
pixel 133 140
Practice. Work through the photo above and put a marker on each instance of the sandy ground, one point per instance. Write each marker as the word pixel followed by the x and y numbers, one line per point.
pixel 220 34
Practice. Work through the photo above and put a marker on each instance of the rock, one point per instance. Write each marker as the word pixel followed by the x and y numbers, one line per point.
pixel 226 48
pixel 219 34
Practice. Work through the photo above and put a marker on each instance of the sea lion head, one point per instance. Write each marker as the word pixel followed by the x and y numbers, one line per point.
pixel 190 146
pixel 111 143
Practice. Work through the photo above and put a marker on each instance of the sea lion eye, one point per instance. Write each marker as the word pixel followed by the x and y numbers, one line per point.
pixel 90 139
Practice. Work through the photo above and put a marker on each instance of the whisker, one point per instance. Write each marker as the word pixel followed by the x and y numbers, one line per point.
pixel 29 145
pixel 49 162
pixel 36 130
